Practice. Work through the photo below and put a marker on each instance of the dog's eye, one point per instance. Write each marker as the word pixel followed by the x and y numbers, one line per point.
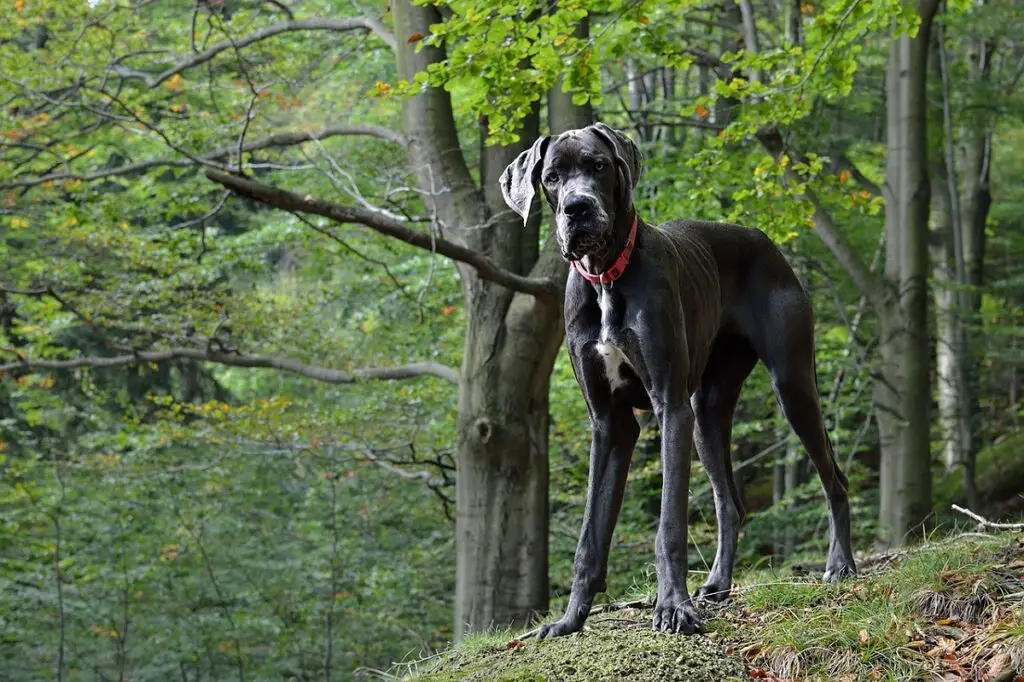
pixel 551 178
pixel 598 166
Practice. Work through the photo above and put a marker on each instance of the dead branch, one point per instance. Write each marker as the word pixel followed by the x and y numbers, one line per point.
pixel 646 602
pixel 985 523
pixel 282 139
pixel 335 25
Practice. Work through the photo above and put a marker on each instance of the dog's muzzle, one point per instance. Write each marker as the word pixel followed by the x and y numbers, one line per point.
pixel 583 227
pixel 582 242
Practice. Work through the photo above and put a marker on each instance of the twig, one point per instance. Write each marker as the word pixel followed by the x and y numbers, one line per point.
pixel 604 608
pixel 982 521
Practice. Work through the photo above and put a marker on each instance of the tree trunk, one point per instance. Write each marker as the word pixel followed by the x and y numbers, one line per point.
pixel 510 347
pixel 902 390
pixel 959 271
pixel 948 353
pixel 789 466
pixel 502 468
pixel 975 201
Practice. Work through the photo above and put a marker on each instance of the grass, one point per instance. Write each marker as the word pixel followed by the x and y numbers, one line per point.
pixel 932 613
pixel 947 609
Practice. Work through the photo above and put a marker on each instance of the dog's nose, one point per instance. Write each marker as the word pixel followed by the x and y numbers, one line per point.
pixel 577 206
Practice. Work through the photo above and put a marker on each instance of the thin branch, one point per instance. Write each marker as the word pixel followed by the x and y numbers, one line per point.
pixel 786 440
pixel 281 6
pixel 221 598
pixel 324 374
pixel 335 25
pixel 206 216
pixel 842 162
pixel 58 572
pixel 288 201
pixel 335 580
pixel 871 287
pixel 644 603
pixel 284 139
pixel 985 523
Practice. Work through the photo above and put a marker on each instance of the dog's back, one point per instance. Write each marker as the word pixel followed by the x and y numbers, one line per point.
pixel 743 271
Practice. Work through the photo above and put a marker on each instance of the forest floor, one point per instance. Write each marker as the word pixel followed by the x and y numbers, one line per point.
pixel 948 609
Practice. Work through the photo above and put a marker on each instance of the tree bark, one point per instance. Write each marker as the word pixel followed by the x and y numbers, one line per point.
pixel 511 343
pixel 952 350
pixel 902 388
pixel 948 354
pixel 975 200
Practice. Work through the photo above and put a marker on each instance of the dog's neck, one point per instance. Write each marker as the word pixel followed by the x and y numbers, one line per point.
pixel 620 234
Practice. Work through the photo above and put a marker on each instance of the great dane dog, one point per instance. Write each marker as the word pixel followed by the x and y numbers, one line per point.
pixel 672 319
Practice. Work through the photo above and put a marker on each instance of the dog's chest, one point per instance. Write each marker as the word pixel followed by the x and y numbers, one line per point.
pixel 607 350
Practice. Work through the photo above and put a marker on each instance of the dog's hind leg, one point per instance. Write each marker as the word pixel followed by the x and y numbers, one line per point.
pixel 731 360
pixel 788 352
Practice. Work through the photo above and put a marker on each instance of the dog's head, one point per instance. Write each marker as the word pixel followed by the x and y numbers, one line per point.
pixel 588 176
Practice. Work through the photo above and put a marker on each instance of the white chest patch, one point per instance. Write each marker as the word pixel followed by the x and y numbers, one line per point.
pixel 613 361
pixel 609 352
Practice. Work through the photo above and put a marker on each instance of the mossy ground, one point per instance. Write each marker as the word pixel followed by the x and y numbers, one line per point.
pixel 615 646
pixel 949 609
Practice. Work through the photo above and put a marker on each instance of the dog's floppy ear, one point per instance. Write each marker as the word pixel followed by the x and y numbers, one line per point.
pixel 628 158
pixel 519 179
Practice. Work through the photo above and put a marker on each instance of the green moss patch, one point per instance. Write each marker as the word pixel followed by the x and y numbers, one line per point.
pixel 613 647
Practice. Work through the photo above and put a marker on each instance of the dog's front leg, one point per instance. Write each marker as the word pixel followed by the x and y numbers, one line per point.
pixel 674 611
pixel 615 433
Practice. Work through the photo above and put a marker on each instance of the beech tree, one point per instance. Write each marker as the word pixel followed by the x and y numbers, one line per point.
pixel 512 278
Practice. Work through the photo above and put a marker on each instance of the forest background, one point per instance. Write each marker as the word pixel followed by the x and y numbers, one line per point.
pixel 282 390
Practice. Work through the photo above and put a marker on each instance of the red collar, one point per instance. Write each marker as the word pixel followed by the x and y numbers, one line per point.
pixel 618 267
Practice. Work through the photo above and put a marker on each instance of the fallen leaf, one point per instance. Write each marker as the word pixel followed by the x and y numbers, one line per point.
pixel 998 664
pixel 514 644
pixel 863 636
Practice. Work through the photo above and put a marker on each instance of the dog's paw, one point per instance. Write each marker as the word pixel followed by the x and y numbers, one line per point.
pixel 839 571
pixel 713 591
pixel 559 629
pixel 676 616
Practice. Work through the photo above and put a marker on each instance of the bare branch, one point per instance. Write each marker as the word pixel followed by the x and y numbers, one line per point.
pixel 288 201
pixel 283 139
pixel 985 523
pixel 323 374
pixel 335 25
